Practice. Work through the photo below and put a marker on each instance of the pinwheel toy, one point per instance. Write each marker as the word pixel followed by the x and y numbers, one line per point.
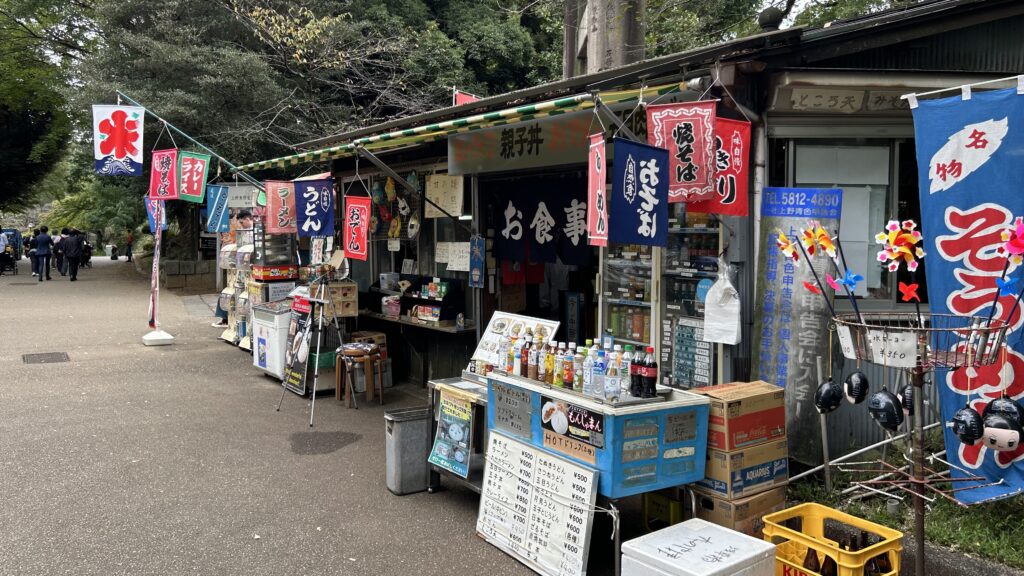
pixel 812 288
pixel 787 247
pixel 833 283
pixel 908 292
pixel 1006 286
pixel 850 280
pixel 1013 242
pixel 900 244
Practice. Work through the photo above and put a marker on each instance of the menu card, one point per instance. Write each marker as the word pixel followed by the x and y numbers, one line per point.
pixel 537 507
pixel 445 191
pixel 504 324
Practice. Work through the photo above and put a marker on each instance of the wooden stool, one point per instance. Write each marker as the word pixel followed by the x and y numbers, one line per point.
pixel 373 371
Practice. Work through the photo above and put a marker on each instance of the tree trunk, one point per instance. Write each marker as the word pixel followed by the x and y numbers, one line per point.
pixel 615 33
pixel 570 37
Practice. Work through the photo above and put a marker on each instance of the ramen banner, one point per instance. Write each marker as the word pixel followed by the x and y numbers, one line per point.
pixel 969 170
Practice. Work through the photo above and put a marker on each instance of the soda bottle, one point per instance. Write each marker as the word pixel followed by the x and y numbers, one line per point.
pixel 636 385
pixel 524 368
pixel 811 560
pixel 588 375
pixel 649 376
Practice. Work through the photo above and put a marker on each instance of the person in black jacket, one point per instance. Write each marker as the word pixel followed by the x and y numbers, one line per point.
pixel 43 245
pixel 72 246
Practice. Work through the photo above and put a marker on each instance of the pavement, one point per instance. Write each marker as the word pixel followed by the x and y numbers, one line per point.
pixel 172 460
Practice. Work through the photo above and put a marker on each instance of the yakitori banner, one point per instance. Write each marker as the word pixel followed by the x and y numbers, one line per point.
pixel 969 158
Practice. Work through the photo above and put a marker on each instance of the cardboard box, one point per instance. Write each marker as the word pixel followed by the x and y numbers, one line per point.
pixel 746 472
pixel 744 515
pixel 272 273
pixel 744 414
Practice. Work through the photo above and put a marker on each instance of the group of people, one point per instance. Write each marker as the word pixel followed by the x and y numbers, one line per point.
pixel 62 252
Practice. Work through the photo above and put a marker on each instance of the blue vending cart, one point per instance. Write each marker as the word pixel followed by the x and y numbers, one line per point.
pixel 636 445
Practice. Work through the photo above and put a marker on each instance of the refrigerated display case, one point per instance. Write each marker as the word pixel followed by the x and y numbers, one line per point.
pixel 627 287
pixel 689 266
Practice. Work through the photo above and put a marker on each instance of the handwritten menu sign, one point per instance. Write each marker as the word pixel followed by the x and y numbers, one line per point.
pixel 446 192
pixel 458 257
pixel 699 547
pixel 506 325
pixel 537 507
pixel 893 349
pixel 512 409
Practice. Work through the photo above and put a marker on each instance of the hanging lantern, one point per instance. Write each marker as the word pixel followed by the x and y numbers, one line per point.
pixel 828 397
pixel 967 425
pixel 856 387
pixel 885 409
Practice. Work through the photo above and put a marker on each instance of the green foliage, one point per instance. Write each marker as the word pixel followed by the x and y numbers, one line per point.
pixel 820 12
pixel 679 25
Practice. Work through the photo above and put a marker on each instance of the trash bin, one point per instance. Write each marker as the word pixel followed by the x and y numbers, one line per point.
pixel 408 445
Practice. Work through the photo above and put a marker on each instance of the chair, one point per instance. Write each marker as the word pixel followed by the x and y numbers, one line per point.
pixel 373 372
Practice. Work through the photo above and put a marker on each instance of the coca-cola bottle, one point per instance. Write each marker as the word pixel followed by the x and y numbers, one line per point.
pixel 649 374
pixel 636 386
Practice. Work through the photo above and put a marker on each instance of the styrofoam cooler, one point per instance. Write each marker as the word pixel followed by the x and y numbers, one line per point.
pixel 270 337
pixel 697 548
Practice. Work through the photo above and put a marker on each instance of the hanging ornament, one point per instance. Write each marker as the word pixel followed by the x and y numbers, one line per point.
pixel 856 387
pixel 787 247
pixel 1005 406
pixel 389 189
pixel 900 244
pixel 374 223
pixel 1001 432
pixel 403 206
pixel 385 213
pixel 828 397
pixel 884 408
pixel 414 179
pixel 377 192
pixel 395 230
pixel 967 425
pixel 414 227
pixel 906 396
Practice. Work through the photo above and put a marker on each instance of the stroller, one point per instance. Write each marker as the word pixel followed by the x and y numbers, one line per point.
pixel 7 261
pixel 86 261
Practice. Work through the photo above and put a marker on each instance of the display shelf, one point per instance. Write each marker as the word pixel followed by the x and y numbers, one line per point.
pixel 474 482
pixel 690 273
pixel 683 230
pixel 629 262
pixel 623 302
pixel 631 341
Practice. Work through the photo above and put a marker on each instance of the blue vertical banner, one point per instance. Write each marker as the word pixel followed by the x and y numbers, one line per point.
pixel 477 256
pixel 314 202
pixel 152 207
pixel 970 169
pixel 639 204
pixel 789 319
pixel 217 220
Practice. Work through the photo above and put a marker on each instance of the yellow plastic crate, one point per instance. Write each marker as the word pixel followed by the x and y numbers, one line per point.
pixel 662 508
pixel 792 544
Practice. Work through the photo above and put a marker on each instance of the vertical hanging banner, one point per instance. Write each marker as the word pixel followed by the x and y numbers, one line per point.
pixel 969 162
pixel 117 139
pixel 192 172
pixel 597 211
pixel 154 207
pixel 639 206
pixel 732 168
pixel 163 175
pixel 477 252
pixel 154 281
pixel 356 227
pixel 687 132
pixel 790 319
pixel 217 220
pixel 315 200
pixel 280 207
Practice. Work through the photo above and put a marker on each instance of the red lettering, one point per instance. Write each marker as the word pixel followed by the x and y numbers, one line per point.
pixel 977 140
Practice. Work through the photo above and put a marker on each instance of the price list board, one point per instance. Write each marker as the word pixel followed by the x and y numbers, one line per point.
pixel 537 507
pixel 693 359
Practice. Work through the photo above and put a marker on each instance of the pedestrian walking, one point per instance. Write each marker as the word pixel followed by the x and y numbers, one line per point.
pixel 58 251
pixel 43 244
pixel 4 258
pixel 73 245
pixel 128 249
pixel 30 247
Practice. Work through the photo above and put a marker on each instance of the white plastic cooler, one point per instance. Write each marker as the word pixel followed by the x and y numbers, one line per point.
pixel 270 336
pixel 697 548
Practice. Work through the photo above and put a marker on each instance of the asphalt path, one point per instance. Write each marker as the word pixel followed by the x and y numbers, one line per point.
pixel 172 460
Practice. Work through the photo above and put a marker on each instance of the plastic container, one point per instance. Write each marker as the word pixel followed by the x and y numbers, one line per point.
pixel 810 525
pixel 697 548
pixel 407 432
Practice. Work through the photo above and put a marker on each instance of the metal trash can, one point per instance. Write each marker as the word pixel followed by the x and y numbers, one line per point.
pixel 408 445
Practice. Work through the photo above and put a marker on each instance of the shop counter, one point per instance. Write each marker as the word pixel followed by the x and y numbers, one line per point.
pixel 636 445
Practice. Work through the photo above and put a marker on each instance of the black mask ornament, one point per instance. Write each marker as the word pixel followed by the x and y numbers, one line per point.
pixel 856 387
pixel 828 397
pixel 885 408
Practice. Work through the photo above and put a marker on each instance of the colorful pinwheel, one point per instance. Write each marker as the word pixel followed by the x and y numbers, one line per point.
pixel 1013 242
pixel 850 280
pixel 787 247
pixel 815 238
pixel 833 283
pixel 908 292
pixel 900 243
pixel 812 288
pixel 1006 286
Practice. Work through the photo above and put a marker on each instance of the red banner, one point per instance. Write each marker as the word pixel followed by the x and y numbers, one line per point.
pixel 356 227
pixel 280 217
pixel 597 199
pixel 193 168
pixel 163 175
pixel 732 169
pixel 687 132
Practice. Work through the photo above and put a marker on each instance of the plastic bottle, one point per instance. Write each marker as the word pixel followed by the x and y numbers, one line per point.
pixel 649 376
pixel 549 362
pixel 577 370
pixel 542 359
pixel 503 346
pixel 510 355
pixel 517 363
pixel 524 368
pixel 612 384
pixel 531 369
pixel 568 371
pixel 600 374
pixel 588 375
pixel 557 367
pixel 636 385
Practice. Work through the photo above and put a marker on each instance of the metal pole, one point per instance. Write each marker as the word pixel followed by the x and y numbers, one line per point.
pixel 874 446
pixel 824 433
pixel 919 479
pixel 170 126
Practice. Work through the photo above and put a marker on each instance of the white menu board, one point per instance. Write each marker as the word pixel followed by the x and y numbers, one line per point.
pixel 505 324
pixel 445 191
pixel 537 507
